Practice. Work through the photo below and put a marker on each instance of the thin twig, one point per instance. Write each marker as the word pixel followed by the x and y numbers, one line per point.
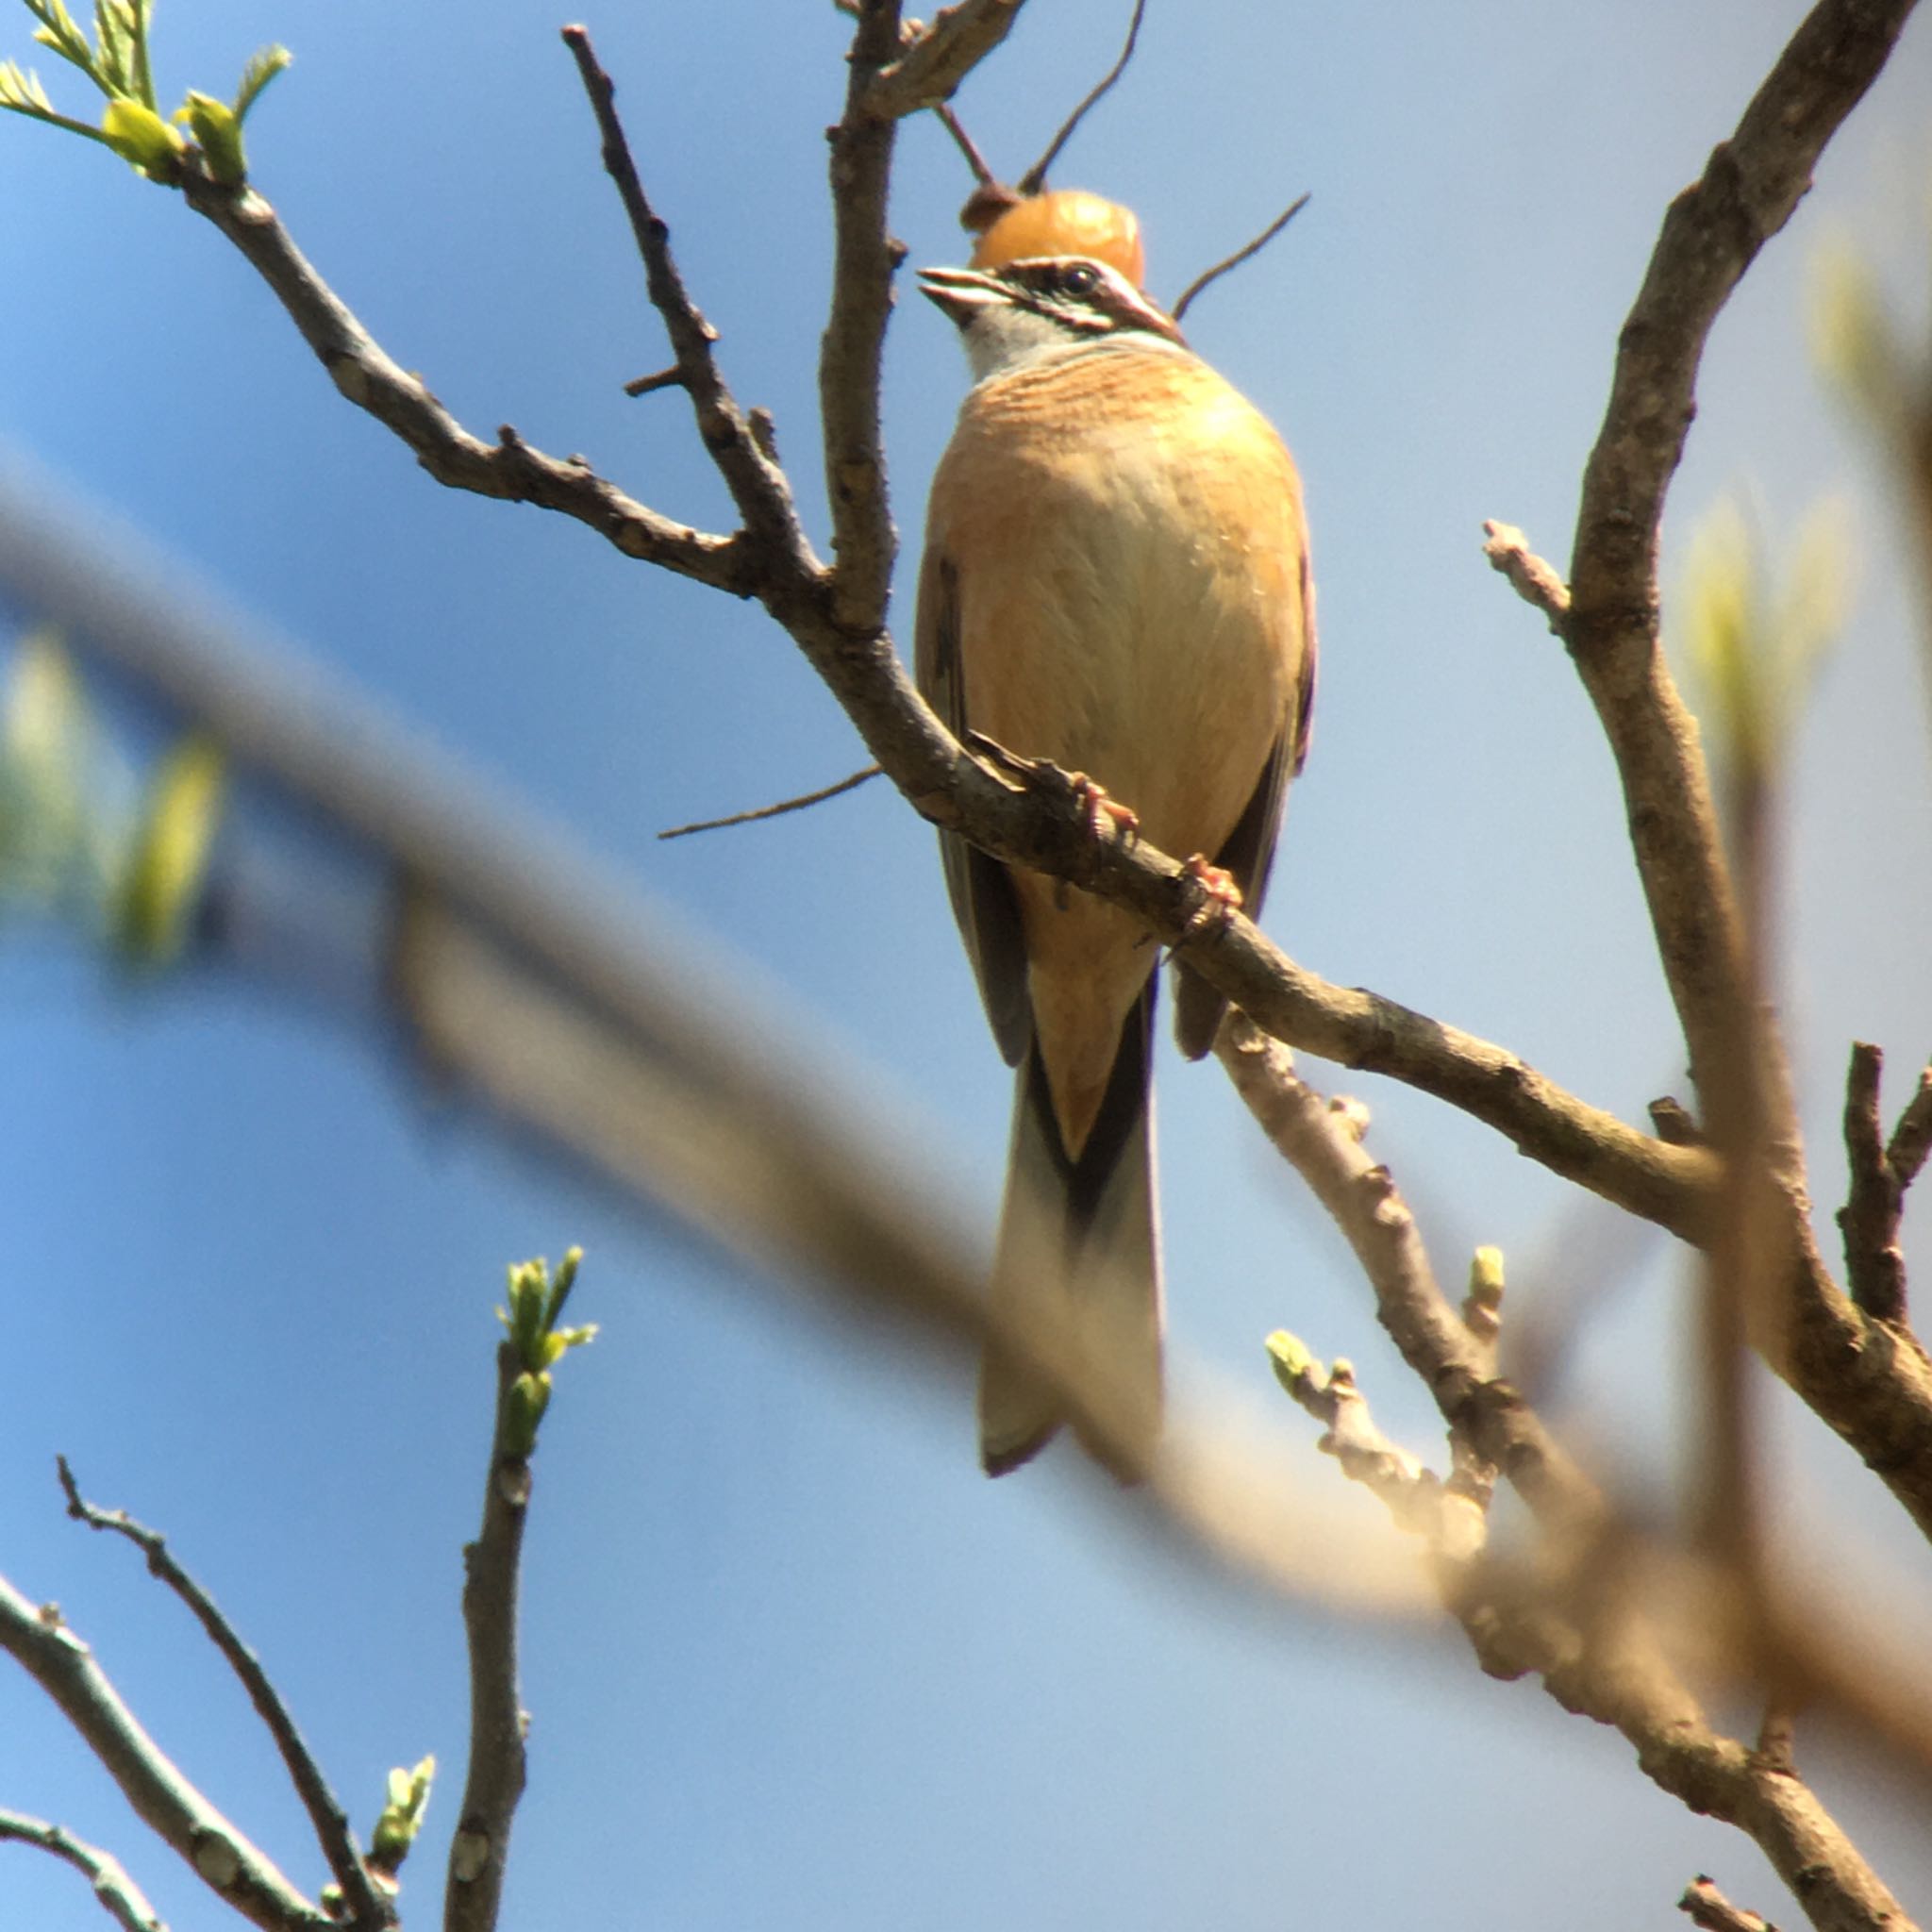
pixel 772 811
pixel 479 1851
pixel 1451 1519
pixel 1912 1140
pixel 649 385
pixel 119 1895
pixel 1034 179
pixel 982 168
pixel 240 1873
pixel 758 486
pixel 1209 275
pixel 368 1905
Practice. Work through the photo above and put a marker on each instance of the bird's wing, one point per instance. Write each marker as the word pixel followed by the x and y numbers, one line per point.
pixel 982 894
pixel 1249 853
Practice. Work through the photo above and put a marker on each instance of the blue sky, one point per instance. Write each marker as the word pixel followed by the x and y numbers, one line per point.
pixel 793 1663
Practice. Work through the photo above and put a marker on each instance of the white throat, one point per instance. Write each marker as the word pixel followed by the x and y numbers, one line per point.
pixel 1002 340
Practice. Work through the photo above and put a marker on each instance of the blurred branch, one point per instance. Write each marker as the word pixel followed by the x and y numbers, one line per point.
pixel 119 1895
pixel 237 1872
pixel 368 1907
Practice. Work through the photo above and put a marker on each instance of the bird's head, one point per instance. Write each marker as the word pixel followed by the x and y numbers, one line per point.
pixel 1043 307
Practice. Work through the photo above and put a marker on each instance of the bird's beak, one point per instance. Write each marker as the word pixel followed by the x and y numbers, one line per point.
pixel 962 293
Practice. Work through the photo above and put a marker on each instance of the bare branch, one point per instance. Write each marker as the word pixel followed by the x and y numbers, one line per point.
pixel 237 1872
pixel 758 485
pixel 935 62
pixel 1034 179
pixel 510 468
pixel 1246 253
pixel 119 1895
pixel 1874 1263
pixel 1912 1140
pixel 772 811
pixel 1710 235
pixel 864 257
pixel 368 1905
pixel 1869 1382
pixel 1323 1145
pixel 1451 1519
pixel 479 1850
pixel 1580 1616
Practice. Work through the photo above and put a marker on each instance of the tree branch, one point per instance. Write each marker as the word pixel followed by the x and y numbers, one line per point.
pixel 510 468
pixel 239 1873
pixel 1875 1264
pixel 758 486
pixel 935 63
pixel 1711 234
pixel 479 1852
pixel 368 1905
pixel 1871 1383
pixel 864 257
pixel 119 1895
pixel 1322 1142
pixel 1706 1906
pixel 1574 1615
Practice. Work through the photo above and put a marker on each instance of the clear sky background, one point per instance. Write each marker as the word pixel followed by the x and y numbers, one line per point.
pixel 792 1661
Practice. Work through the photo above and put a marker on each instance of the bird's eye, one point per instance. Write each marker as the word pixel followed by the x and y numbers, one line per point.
pixel 1081 279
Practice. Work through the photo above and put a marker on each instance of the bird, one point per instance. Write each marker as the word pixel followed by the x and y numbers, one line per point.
pixel 1115 580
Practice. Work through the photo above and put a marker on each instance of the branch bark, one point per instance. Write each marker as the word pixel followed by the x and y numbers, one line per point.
pixel 239 1873
pixel 366 1905
pixel 120 1897
pixel 493 1786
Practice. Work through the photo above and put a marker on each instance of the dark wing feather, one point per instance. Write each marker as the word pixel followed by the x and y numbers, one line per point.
pixel 1249 853
pixel 982 894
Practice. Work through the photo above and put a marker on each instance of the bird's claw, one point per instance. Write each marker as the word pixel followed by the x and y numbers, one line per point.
pixel 1105 817
pixel 1220 895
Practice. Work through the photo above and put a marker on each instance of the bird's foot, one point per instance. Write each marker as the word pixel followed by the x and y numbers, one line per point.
pixel 1105 817
pixel 1220 895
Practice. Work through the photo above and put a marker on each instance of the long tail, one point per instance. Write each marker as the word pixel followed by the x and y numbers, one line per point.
pixel 1086 1228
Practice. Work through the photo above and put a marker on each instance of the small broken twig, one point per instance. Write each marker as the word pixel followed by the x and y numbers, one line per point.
pixel 772 811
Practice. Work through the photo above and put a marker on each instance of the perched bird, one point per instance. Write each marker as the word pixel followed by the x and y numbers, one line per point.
pixel 1116 579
